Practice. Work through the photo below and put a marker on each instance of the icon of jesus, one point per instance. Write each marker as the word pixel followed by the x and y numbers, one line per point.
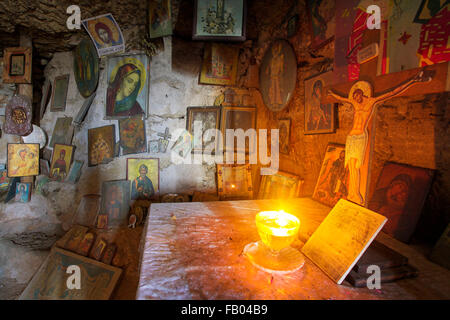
pixel 362 99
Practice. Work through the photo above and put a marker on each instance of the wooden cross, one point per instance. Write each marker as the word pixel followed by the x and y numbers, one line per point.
pixel 359 144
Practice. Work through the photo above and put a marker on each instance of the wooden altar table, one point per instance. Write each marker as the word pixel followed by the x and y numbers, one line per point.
pixel 194 251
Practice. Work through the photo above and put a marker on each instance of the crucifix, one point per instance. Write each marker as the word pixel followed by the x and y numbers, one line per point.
pixel 359 140
pixel 164 140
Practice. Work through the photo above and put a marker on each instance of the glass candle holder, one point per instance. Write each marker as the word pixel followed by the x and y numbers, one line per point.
pixel 277 230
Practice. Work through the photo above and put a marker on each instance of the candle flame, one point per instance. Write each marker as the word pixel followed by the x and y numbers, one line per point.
pixel 282 220
pixel 278 222
pixel 277 229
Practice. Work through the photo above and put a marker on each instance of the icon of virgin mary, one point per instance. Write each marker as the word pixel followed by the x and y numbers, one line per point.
pixel 123 92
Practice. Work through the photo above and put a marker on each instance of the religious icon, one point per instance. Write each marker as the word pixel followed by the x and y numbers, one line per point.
pixel 132 135
pixel 62 132
pixel 127 93
pixel 105 34
pixel 102 221
pixel 144 176
pixel 208 118
pixel 18 116
pixel 60 87
pixel 23 160
pixel 109 253
pixel 87 210
pixel 75 229
pixel 399 195
pixel 278 75
pixel 23 192
pixel 284 127
pixel 234 182
pixel 362 99
pixel 17 65
pixel 219 20
pixel 116 201
pixel 76 236
pixel 86 244
pixel 4 180
pixel 160 18
pixel 275 70
pixel 332 182
pixel 61 160
pixel 85 67
pixel 322 18
pixel 98 249
pixel 281 185
pixel 220 63
pixel 319 117
pixel 75 172
pixel 101 145
pixel 98 280
pixel 239 118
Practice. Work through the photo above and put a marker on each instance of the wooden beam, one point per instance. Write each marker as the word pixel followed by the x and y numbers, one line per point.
pixel 382 84
pixel 369 69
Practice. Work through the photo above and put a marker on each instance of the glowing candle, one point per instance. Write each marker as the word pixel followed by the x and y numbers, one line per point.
pixel 273 253
pixel 277 229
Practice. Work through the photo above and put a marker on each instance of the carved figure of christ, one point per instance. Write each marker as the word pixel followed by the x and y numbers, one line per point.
pixel 360 97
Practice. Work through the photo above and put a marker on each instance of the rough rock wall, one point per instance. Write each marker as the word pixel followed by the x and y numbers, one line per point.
pixel 411 130
pixel 28 230
pixel 45 20
pixel 173 87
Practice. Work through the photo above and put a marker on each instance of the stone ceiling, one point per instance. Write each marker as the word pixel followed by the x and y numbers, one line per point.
pixel 45 20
